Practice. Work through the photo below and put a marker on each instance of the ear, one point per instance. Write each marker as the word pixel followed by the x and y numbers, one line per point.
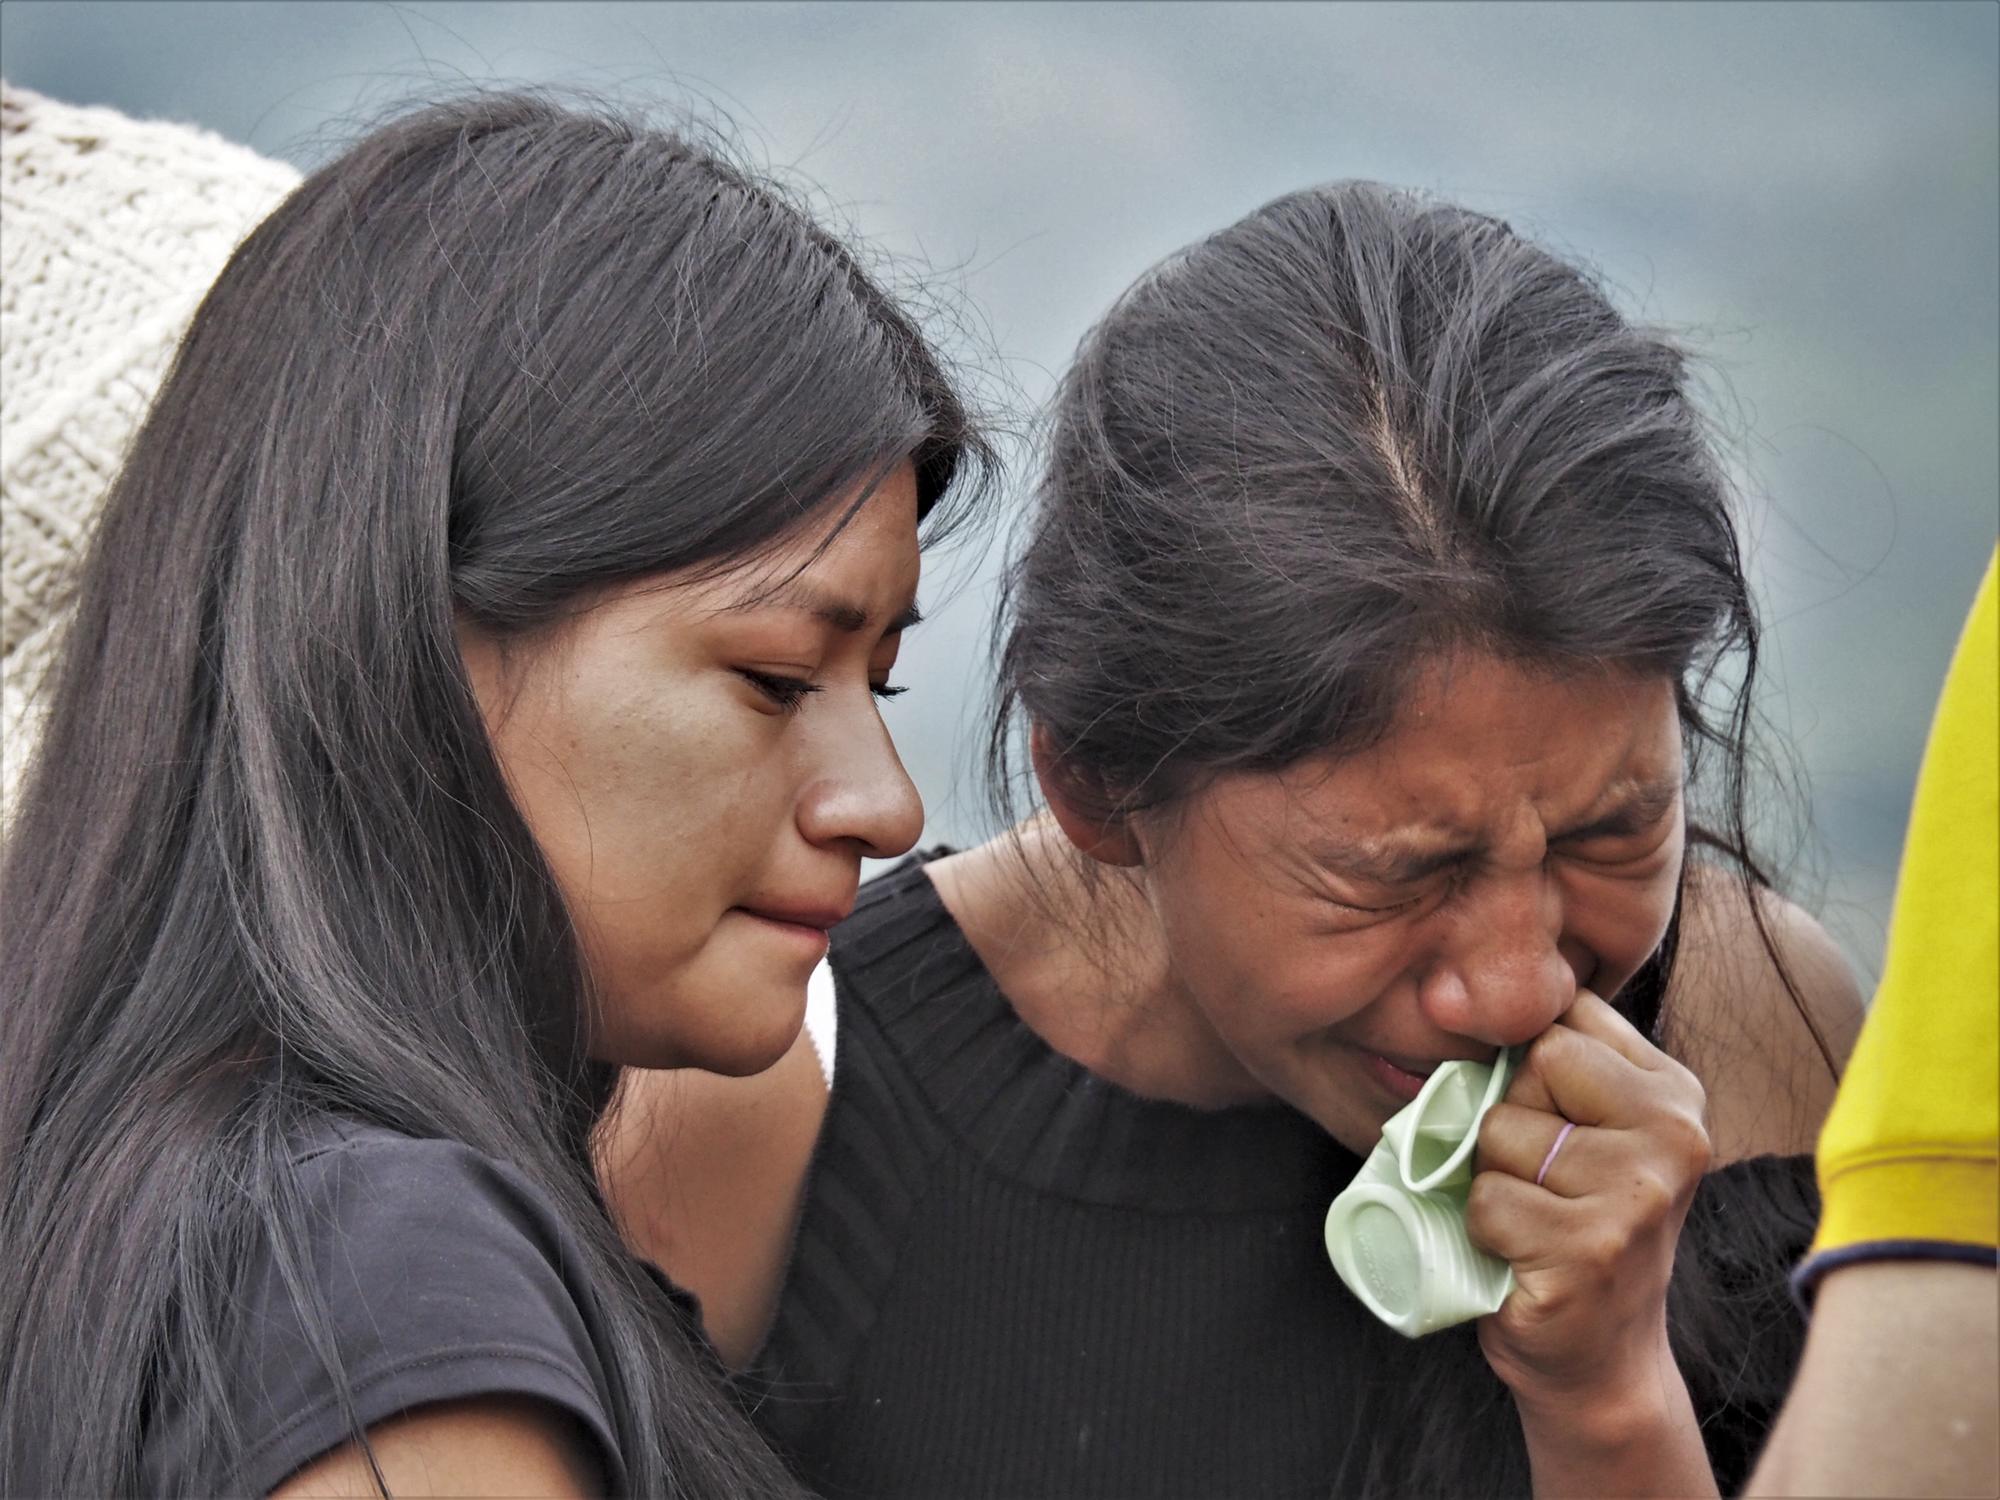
pixel 1081 806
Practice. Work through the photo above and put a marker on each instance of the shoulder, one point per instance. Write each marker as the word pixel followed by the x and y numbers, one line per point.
pixel 486 1446
pixel 430 1203
pixel 1767 1052
pixel 402 1273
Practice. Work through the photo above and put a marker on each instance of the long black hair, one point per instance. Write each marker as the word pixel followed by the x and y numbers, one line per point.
pixel 265 865
pixel 1356 429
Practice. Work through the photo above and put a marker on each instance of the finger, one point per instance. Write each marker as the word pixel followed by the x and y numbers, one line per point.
pixel 1528 1090
pixel 1524 1225
pixel 1532 1146
pixel 1597 1018
pixel 1583 1079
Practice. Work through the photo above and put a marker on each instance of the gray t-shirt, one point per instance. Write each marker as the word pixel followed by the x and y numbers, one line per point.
pixel 446 1274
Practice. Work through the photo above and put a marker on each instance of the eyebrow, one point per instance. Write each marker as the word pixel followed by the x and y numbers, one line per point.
pixel 1641 806
pixel 843 615
pixel 1387 864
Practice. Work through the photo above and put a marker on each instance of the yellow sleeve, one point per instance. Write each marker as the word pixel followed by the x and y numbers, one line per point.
pixel 1907 1159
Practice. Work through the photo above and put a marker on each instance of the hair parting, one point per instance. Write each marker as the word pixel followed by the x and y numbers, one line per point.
pixel 1355 432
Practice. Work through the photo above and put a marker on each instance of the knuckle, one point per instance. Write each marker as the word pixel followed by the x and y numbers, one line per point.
pixel 1686 1142
pixel 1700 1149
pixel 1484 1198
pixel 1479 1197
pixel 1681 1090
pixel 1686 1082
pixel 1602 1249
pixel 1548 1049
pixel 1550 1304
pixel 1655 1200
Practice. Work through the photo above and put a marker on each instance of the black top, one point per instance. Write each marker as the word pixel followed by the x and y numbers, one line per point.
pixel 1012 1278
pixel 444 1274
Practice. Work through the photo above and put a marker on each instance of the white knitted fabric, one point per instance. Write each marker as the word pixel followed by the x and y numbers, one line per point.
pixel 111 230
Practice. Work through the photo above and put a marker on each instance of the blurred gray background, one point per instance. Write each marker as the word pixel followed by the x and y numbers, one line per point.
pixel 1811 193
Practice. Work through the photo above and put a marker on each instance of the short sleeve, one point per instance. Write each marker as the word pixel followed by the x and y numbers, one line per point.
pixel 444 1275
pixel 1909 1160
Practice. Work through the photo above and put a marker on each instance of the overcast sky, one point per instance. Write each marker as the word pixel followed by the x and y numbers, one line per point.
pixel 1811 193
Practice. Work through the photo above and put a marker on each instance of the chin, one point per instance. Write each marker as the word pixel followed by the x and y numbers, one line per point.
pixel 737 1035
pixel 1337 1104
pixel 1358 1137
pixel 737 1056
pixel 749 1056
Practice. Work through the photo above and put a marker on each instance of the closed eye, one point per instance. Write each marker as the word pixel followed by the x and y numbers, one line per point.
pixel 1377 911
pixel 887 689
pixel 787 692
pixel 1425 888
pixel 1616 846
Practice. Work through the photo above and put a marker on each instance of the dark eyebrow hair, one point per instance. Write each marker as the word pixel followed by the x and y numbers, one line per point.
pixel 1641 806
pixel 842 614
pixel 1387 866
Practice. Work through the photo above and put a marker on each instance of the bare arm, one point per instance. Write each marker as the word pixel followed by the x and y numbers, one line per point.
pixel 1647 1444
pixel 1898 1388
pixel 491 1446
pixel 706 1175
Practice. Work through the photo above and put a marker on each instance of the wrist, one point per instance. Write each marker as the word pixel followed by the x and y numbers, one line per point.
pixel 1632 1432
pixel 1615 1409
pixel 1603 1424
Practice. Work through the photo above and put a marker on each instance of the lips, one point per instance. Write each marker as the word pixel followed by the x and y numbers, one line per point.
pixel 821 917
pixel 1398 1081
pixel 1421 1067
pixel 1402 1075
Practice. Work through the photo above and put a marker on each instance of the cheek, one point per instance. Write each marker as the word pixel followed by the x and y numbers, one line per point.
pixel 1317 983
pixel 645 806
pixel 1265 974
pixel 1620 922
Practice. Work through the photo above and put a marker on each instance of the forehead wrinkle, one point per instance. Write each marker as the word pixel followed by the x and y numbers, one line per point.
pixel 1331 842
pixel 1411 850
pixel 1427 805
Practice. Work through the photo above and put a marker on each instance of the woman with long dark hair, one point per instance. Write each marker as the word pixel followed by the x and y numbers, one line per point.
pixel 472 691
pixel 1386 658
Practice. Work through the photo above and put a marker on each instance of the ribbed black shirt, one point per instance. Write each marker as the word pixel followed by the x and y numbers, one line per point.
pixel 1012 1278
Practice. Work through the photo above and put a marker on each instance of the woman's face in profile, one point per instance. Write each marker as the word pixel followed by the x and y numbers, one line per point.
pixel 704 765
pixel 1344 926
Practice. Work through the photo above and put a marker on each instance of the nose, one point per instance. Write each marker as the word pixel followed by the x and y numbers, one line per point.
pixel 861 796
pixel 1501 974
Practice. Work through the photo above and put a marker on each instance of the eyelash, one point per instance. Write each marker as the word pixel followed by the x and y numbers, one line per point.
pixel 1448 881
pixel 1379 911
pixel 789 693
